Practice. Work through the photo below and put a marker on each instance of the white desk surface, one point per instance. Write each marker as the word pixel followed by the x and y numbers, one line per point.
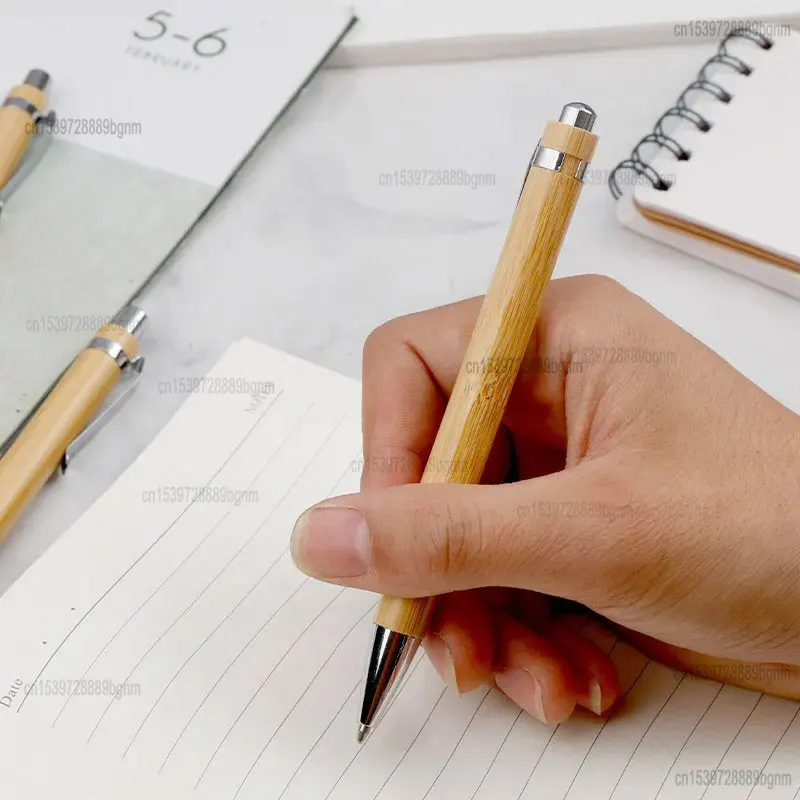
pixel 307 252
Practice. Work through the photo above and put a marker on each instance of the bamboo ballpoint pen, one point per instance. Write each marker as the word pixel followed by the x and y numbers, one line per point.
pixel 499 342
pixel 19 115
pixel 56 428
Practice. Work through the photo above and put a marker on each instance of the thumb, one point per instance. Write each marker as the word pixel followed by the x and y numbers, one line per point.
pixel 555 535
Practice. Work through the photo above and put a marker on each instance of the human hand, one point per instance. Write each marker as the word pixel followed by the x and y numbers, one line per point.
pixel 652 484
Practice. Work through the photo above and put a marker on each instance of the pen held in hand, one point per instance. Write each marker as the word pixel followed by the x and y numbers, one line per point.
pixel 501 336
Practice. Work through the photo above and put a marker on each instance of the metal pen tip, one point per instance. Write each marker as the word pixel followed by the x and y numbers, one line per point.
pixel 391 654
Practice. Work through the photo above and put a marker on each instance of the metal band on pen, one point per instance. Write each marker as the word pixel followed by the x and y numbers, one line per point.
pixel 552 159
pixel 579 115
pixel 25 105
pixel 130 319
pixel 114 349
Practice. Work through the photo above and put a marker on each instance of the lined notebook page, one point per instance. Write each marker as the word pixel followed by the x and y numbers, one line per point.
pixel 167 647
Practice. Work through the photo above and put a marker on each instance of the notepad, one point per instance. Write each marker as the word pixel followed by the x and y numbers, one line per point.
pixel 166 647
pixel 723 185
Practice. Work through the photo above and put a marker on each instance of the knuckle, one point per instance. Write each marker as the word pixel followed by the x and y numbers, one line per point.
pixel 592 527
pixel 463 540
pixel 603 286
pixel 378 339
pixel 388 334
pixel 446 545
pixel 592 316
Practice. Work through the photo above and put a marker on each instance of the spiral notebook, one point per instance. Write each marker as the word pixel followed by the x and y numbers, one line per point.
pixel 719 175
pixel 167 648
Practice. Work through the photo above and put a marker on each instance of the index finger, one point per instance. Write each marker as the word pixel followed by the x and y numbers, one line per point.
pixel 409 367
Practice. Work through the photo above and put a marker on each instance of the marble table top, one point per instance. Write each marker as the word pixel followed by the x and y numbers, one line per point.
pixel 317 241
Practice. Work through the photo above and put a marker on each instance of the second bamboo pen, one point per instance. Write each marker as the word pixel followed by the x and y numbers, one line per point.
pixel 19 114
pixel 501 336
pixel 64 419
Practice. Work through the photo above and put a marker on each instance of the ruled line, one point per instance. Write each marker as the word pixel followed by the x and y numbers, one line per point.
pixel 597 735
pixel 733 741
pixel 264 683
pixel 304 693
pixel 644 735
pixel 774 750
pixel 538 761
pixel 686 741
pixel 155 592
pixel 205 641
pixel 242 651
pixel 552 735
pixel 142 556
pixel 208 638
pixel 408 749
pixel 319 739
pixel 584 759
pixel 228 668
pixel 455 747
pixel 330 724
pixel 191 605
pixel 497 753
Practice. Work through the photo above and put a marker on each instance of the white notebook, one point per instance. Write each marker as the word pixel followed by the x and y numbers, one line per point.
pixel 410 31
pixel 166 647
pixel 157 109
pixel 734 201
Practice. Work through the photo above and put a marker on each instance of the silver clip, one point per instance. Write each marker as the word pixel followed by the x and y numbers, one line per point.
pixel 133 368
pixel 43 138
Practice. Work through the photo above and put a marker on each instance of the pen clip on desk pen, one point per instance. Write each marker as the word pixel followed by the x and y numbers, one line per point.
pixel 131 376
pixel 131 319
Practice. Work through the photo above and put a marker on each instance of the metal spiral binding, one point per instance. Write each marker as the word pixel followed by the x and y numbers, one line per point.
pixel 683 110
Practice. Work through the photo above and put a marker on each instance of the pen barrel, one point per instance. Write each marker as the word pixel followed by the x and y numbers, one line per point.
pixel 501 337
pixel 37 451
pixel 17 128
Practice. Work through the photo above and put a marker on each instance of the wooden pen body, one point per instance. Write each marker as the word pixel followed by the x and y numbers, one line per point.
pixel 37 451
pixel 500 338
pixel 17 128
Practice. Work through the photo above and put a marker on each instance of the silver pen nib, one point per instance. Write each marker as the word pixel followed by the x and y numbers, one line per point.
pixel 391 654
